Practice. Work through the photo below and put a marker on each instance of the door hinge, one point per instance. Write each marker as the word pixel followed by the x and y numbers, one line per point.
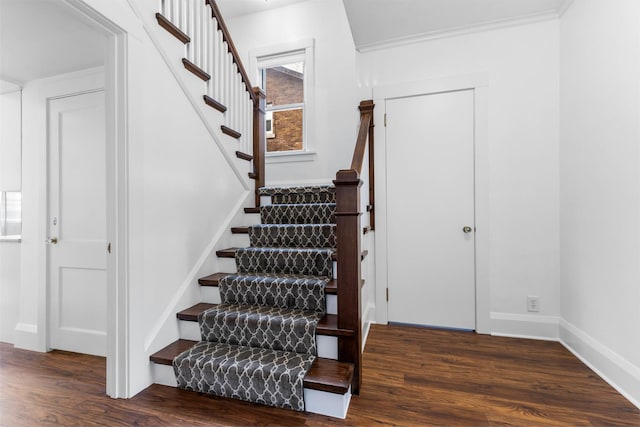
pixel 109 247
pixel 385 119
pixel 387 294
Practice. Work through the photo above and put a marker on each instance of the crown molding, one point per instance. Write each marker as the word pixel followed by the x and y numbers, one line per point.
pixel 532 18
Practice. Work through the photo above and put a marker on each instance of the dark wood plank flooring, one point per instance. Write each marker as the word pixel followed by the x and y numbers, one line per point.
pixel 412 376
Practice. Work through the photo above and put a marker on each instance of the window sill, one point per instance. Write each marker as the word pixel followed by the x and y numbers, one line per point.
pixel 290 157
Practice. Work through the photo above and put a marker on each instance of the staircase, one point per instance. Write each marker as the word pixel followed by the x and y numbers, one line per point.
pixel 279 330
pixel 277 314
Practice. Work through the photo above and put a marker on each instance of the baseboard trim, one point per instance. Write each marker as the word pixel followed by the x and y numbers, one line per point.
pixel 368 320
pixel 530 326
pixel 618 372
pixel 26 337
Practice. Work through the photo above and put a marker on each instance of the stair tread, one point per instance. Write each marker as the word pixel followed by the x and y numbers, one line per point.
pixel 325 374
pixel 327 325
pixel 269 191
pixel 231 252
pixel 213 279
pixel 167 354
pixel 252 210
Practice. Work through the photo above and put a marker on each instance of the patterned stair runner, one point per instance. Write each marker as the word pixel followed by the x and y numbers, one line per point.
pixel 258 344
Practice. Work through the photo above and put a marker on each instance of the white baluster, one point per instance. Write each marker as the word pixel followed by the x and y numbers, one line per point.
pixel 218 61
pixel 175 7
pixel 161 7
pixel 190 31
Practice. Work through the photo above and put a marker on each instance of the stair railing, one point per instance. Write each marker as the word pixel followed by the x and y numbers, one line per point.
pixel 209 47
pixel 349 242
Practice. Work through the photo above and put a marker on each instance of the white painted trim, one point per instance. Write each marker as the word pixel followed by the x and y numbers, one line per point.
pixel 532 18
pixel 529 326
pixel 478 82
pixel 618 372
pixel 26 334
pixel 283 50
pixel 117 131
pixel 290 157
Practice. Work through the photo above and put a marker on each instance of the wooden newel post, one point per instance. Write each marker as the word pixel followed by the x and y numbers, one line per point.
pixel 349 250
pixel 259 139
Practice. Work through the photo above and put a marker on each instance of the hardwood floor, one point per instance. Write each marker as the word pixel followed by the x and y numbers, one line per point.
pixel 411 376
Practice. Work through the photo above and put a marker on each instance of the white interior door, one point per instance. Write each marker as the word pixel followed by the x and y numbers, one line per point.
pixel 77 224
pixel 430 209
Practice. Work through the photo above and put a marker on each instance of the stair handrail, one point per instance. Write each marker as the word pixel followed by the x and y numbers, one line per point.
pixel 349 242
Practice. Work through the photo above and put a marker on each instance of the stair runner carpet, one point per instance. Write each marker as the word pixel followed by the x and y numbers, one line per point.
pixel 259 343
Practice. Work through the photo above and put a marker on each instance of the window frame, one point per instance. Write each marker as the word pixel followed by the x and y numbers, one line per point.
pixel 282 54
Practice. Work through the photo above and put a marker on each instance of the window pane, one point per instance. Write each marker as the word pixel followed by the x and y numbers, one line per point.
pixel 285 84
pixel 286 131
pixel 10 213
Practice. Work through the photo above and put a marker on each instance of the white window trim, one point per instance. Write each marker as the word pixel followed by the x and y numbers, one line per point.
pixel 268 55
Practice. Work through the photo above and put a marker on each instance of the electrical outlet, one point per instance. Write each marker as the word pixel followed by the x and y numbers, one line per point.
pixel 533 304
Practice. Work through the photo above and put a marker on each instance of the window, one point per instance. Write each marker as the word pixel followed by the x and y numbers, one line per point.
pixel 285 73
pixel 10 215
pixel 284 85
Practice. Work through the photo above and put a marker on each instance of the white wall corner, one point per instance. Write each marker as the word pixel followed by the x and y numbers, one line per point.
pixel 530 326
pixel 620 373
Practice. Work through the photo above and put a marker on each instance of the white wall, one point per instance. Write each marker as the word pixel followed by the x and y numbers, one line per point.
pixel 522 64
pixel 181 194
pixel 332 132
pixel 600 187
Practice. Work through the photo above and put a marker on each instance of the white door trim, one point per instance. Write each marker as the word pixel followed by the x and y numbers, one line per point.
pixel 479 84
pixel 115 87
pixel 117 197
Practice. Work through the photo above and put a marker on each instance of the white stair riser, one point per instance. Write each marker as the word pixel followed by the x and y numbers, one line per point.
pixel 211 295
pixel 327 346
pixel 317 402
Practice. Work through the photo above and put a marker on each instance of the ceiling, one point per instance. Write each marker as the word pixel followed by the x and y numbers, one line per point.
pixel 377 23
pixel 43 38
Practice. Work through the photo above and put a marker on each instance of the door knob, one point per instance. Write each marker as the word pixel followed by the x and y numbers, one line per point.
pixel 52 241
pixel 466 229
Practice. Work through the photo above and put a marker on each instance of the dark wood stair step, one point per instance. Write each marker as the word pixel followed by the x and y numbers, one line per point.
pixel 213 103
pixel 228 131
pixel 231 253
pixel 240 230
pixel 175 31
pixel 214 279
pixel 244 156
pixel 255 210
pixel 328 325
pixel 167 354
pixel 199 72
pixel 325 374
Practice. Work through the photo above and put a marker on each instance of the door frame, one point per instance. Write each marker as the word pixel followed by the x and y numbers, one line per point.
pixel 479 83
pixel 116 126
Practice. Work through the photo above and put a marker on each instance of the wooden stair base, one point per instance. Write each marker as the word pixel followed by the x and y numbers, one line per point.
pixel 325 374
